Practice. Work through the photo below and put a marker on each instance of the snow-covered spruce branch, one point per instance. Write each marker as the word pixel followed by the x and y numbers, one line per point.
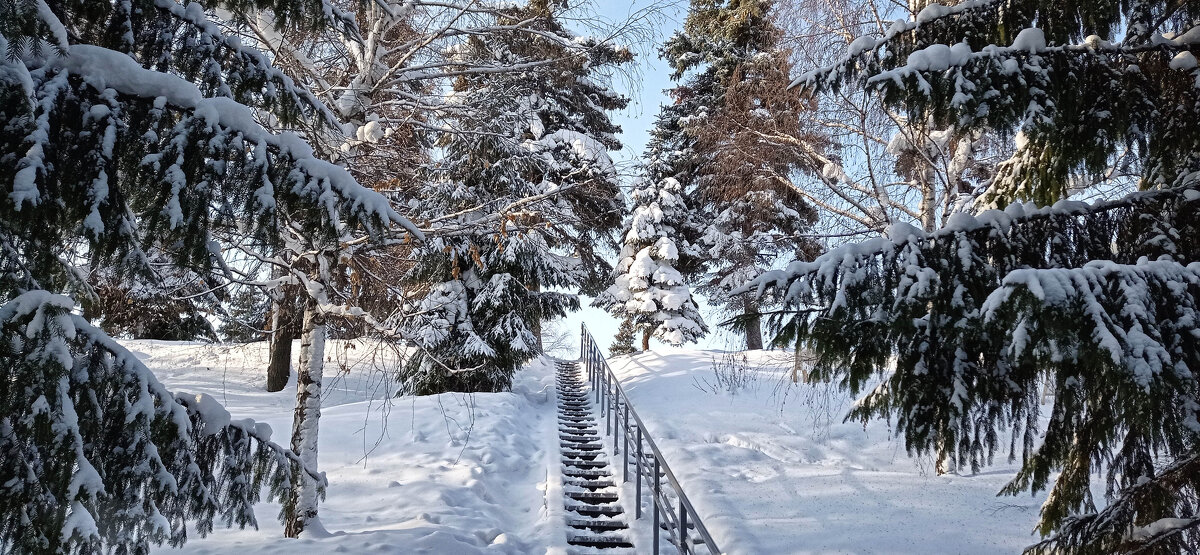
pixel 1115 523
pixel 1032 42
pixel 929 14
pixel 110 69
pixel 983 225
pixel 965 324
pixel 86 393
pixel 194 15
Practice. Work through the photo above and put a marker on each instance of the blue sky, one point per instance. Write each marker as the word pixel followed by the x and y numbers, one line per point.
pixel 646 92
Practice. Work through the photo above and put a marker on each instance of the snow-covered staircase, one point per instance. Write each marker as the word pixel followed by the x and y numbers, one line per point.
pixel 595 518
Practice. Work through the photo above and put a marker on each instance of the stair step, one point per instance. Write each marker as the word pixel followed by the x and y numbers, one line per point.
pixel 585 473
pixel 585 446
pixel 597 541
pixel 593 496
pixel 591 484
pixel 582 446
pixel 571 465
pixel 590 445
pixel 596 510
pixel 597 524
pixel 577 438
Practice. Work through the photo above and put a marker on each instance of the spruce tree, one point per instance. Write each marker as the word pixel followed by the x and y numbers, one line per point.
pixel 964 324
pixel 130 128
pixel 649 294
pixel 623 341
pixel 524 194
pixel 733 72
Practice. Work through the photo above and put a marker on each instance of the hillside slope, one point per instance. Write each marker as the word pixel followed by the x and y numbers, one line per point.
pixel 772 469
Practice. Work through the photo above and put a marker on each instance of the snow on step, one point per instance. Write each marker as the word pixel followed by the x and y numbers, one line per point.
pixel 595 518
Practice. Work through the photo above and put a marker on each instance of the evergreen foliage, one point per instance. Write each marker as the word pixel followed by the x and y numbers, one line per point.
pixel 980 313
pixel 648 293
pixel 144 312
pixel 1059 73
pixel 523 196
pixel 1090 299
pixel 623 341
pixel 955 331
pixel 734 100
pixel 171 307
pixel 129 127
pixel 97 455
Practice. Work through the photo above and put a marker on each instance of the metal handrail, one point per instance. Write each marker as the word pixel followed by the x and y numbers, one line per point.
pixel 613 402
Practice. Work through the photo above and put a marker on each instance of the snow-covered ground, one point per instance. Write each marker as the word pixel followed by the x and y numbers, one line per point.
pixel 771 468
pixel 453 474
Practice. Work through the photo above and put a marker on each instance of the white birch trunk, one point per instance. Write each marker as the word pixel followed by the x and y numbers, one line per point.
pixel 305 422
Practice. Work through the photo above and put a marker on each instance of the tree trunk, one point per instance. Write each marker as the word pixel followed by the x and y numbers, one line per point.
pixel 535 327
pixel 928 206
pixel 284 326
pixel 796 364
pixel 302 507
pixel 646 339
pixel 753 322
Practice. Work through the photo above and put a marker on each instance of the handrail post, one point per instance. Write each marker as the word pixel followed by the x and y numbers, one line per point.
pixel 638 476
pixel 682 527
pixel 616 404
pixel 603 394
pixel 607 410
pixel 625 435
pixel 656 493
